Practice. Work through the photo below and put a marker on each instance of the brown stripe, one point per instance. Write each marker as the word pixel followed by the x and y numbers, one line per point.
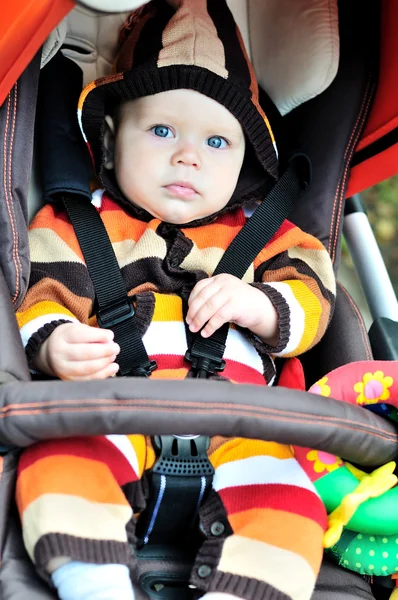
pixel 125 59
pixel 235 61
pixel 55 291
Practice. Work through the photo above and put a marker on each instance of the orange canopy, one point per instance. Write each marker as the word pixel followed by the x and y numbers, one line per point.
pixel 24 25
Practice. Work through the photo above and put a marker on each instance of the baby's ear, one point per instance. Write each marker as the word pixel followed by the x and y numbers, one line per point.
pixel 109 142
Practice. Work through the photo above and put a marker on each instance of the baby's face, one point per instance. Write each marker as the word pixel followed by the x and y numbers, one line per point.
pixel 178 155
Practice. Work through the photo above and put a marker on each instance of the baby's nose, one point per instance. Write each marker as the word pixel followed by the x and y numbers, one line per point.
pixel 187 155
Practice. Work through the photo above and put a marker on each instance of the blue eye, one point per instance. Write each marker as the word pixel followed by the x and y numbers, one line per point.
pixel 162 131
pixel 217 142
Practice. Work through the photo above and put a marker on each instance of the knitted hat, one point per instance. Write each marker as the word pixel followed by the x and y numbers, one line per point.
pixel 191 44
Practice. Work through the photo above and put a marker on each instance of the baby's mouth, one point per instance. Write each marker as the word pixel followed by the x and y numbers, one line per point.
pixel 181 189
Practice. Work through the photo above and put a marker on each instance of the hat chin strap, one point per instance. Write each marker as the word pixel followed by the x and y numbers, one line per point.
pixel 112 6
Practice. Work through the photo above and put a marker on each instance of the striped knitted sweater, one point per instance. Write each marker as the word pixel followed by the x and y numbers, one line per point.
pixel 160 262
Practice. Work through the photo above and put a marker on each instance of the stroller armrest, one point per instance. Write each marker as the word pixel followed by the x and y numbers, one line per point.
pixel 41 410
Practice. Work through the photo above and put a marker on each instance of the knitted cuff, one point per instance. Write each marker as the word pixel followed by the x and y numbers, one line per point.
pixel 53 545
pixel 283 310
pixel 36 340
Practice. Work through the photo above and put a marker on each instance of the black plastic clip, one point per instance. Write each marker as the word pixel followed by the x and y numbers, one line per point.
pixel 204 365
pixel 182 456
pixel 115 313
pixel 145 370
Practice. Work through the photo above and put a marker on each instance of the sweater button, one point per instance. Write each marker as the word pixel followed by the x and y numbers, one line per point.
pixel 204 571
pixel 217 528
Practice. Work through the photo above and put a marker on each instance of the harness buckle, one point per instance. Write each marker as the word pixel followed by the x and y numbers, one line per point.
pixel 182 456
pixel 204 364
pixel 115 313
pixel 145 370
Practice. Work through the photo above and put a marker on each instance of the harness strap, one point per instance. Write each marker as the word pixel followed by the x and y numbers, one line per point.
pixel 206 354
pixel 114 308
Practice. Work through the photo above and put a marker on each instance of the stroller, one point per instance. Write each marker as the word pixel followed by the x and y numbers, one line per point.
pixel 325 112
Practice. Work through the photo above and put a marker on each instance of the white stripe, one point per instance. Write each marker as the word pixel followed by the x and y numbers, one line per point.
pixel 239 349
pixel 34 325
pixel 165 337
pixel 297 317
pixel 169 337
pixel 257 470
pixel 124 446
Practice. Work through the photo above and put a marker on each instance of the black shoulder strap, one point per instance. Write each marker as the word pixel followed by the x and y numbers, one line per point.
pixel 206 354
pixel 114 308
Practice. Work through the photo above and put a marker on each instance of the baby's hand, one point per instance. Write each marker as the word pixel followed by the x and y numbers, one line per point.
pixel 78 352
pixel 224 299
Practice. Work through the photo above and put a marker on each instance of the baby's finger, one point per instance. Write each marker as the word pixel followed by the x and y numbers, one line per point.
pixel 199 287
pixel 208 309
pixel 81 333
pixel 109 371
pixel 203 297
pixel 86 368
pixel 91 351
pixel 223 315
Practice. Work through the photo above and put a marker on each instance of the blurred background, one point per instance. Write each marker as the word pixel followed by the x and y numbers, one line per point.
pixel 381 204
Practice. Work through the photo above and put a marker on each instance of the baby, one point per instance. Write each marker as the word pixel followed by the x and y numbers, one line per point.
pixel 184 154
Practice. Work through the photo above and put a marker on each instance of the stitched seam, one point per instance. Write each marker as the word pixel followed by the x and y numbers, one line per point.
pixel 342 186
pixel 16 245
pixel 6 191
pixel 344 160
pixel 288 419
pixel 41 407
pixel 361 323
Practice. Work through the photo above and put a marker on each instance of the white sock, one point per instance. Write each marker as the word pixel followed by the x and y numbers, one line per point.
pixel 84 581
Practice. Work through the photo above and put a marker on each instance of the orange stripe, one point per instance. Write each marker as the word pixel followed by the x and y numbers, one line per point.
pixel 121 227
pixel 282 529
pixel 217 234
pixel 74 476
pixel 170 374
pixel 288 239
pixel 220 236
pixel 238 449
